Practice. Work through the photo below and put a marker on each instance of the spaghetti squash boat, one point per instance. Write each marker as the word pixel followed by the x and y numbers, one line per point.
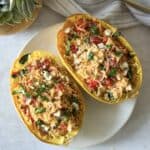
pixel 99 58
pixel 46 97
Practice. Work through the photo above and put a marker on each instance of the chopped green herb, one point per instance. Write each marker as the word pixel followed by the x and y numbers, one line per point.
pixel 41 89
pixel 109 46
pixel 112 72
pixel 21 90
pixel 44 98
pixel 39 110
pixel 75 35
pixel 116 34
pixel 118 53
pixel 101 67
pixel 110 95
pixel 39 122
pixel 86 40
pixel 68 47
pixel 73 99
pixel 90 56
pixel 65 113
pixel 18 91
pixel 131 54
pixel 94 30
pixel 24 59
pixel 23 72
pixel 74 111
pixel 129 74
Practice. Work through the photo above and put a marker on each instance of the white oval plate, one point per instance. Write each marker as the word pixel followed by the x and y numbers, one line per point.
pixel 101 121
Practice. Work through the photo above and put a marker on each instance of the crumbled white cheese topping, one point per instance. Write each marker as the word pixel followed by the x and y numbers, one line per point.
pixel 45 128
pixel 76 106
pixel 129 87
pixel 124 65
pixel 67 30
pixel 101 46
pixel 107 32
pixel 57 114
pixel 47 76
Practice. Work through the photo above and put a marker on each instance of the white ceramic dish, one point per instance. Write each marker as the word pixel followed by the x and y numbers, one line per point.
pixel 101 121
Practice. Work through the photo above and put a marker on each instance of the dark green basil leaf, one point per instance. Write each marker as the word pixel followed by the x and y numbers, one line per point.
pixel 39 110
pixel 112 72
pixel 94 30
pixel 39 122
pixel 116 34
pixel 110 95
pixel 24 59
pixel 68 47
pixel 90 56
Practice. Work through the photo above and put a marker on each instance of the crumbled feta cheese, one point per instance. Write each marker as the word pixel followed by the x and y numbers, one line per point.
pixel 76 61
pixel 67 30
pixel 101 46
pixel 129 87
pixel 118 77
pixel 125 72
pixel 28 101
pixel 78 42
pixel 46 75
pixel 69 128
pixel 107 32
pixel 36 83
pixel 57 114
pixel 45 128
pixel 76 106
pixel 124 65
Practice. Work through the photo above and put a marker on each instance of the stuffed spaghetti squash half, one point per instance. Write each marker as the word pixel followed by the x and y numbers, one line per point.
pixel 46 97
pixel 99 58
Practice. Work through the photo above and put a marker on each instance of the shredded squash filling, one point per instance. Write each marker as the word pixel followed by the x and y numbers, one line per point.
pixel 48 100
pixel 98 58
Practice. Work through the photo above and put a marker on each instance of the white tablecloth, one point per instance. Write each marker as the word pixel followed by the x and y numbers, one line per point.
pixel 13 134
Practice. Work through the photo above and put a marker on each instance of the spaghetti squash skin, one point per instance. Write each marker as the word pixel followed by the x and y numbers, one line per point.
pixel 46 97
pixel 99 58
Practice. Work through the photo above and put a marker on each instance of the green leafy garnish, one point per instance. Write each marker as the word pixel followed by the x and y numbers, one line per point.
pixel 131 54
pixel 94 30
pixel 73 99
pixel 116 34
pixel 23 72
pixel 18 91
pixel 112 72
pixel 21 90
pixel 130 73
pixel 86 40
pixel 44 98
pixel 39 110
pixel 74 35
pixel 24 59
pixel 41 89
pixel 90 56
pixel 68 47
pixel 118 53
pixel 109 46
pixel 39 122
pixel 110 95
pixel 101 67
pixel 65 114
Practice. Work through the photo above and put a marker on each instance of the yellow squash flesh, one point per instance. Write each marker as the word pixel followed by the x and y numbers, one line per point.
pixel 45 138
pixel 137 64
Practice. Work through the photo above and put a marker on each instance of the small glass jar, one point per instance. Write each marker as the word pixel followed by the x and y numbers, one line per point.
pixel 20 17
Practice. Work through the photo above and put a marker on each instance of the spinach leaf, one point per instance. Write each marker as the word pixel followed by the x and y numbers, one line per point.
pixel 24 59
